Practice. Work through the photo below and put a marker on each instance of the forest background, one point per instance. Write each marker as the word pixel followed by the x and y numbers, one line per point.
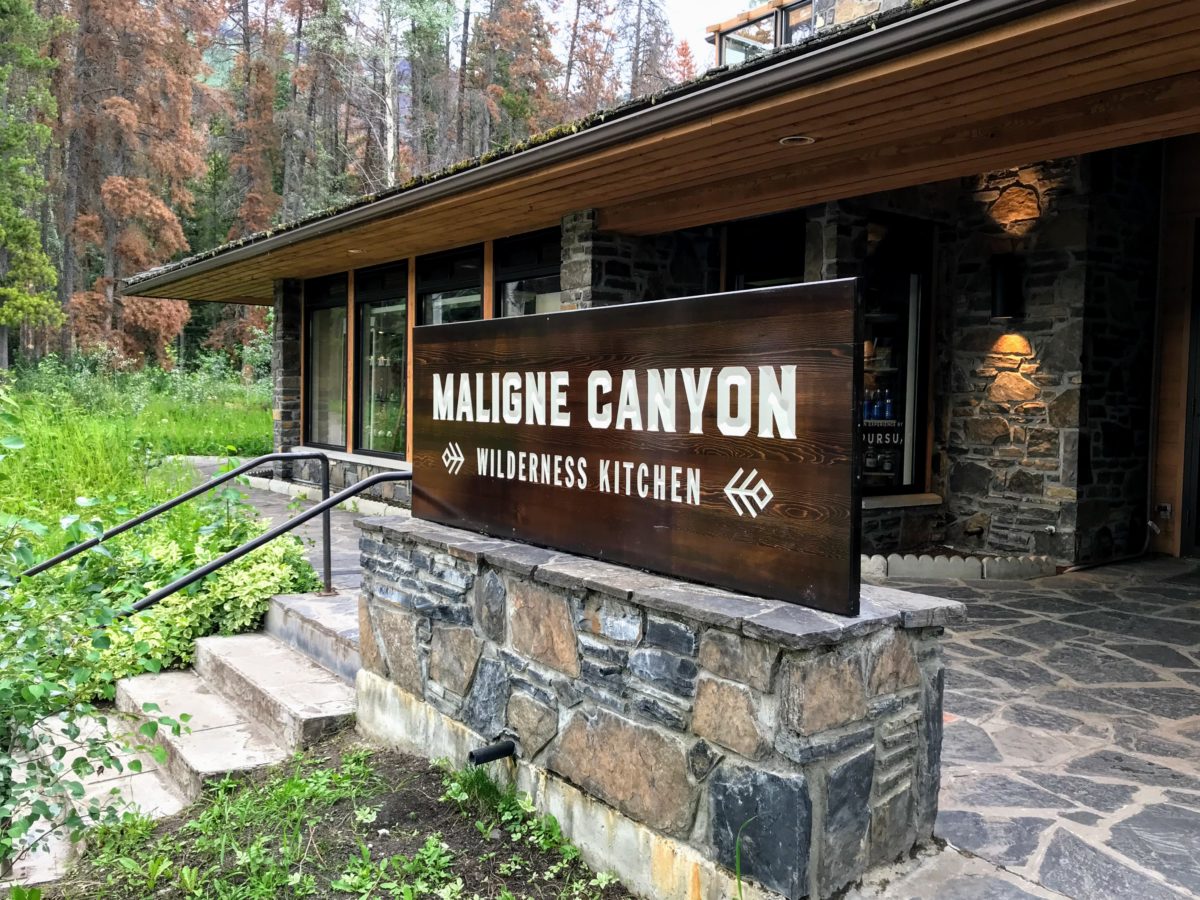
pixel 134 132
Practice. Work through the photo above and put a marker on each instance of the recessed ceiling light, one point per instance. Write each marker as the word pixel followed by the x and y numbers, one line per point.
pixel 354 251
pixel 797 140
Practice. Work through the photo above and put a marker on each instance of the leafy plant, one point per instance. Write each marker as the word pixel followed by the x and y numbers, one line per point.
pixel 63 641
pixel 737 856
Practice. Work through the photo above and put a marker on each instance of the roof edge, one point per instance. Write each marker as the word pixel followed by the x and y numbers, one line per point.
pixel 921 29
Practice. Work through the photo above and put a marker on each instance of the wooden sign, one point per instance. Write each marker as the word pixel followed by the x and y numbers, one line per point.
pixel 709 438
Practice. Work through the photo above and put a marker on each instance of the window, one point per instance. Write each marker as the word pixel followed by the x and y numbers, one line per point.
pixel 381 301
pixel 528 274
pixel 765 252
pixel 325 364
pixel 797 23
pixel 450 287
pixel 750 41
pixel 895 402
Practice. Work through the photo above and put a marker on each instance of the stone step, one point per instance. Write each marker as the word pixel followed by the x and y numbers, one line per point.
pixel 276 687
pixel 325 629
pixel 218 739
pixel 149 790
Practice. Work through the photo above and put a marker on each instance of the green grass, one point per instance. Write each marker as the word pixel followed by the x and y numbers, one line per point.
pixel 96 434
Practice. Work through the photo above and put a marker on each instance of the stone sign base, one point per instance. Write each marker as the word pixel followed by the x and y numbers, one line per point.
pixel 661 722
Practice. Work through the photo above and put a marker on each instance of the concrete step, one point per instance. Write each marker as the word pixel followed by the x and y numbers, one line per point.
pixel 325 629
pixel 218 739
pixel 276 687
pixel 149 790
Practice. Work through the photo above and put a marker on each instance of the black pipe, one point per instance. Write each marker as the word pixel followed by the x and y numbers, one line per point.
pixel 183 498
pixel 266 537
pixel 491 753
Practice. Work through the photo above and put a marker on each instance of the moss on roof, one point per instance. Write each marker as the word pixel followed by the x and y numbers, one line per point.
pixel 711 77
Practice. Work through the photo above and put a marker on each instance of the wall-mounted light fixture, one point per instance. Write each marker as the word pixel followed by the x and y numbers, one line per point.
pixel 1008 287
pixel 797 140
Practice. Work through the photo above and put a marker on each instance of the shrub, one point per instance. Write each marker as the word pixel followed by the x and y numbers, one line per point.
pixel 63 644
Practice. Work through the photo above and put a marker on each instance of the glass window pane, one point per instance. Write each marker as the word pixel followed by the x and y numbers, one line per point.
pixel 326 390
pixel 445 307
pixel 892 386
pixel 799 23
pixel 383 386
pixel 751 41
pixel 529 296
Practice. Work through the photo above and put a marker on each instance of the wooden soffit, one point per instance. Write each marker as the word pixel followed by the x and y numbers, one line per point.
pixel 1075 78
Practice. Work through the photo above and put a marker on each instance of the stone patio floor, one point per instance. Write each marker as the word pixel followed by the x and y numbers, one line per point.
pixel 1071 759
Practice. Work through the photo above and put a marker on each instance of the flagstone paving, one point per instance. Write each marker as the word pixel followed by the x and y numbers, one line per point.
pixel 1072 743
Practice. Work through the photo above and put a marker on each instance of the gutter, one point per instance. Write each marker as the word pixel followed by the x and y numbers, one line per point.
pixel 908 35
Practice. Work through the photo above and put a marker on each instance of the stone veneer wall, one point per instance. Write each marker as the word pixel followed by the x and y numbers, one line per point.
pixel 603 268
pixel 285 369
pixel 689 711
pixel 829 13
pixel 1015 450
pixel 1118 352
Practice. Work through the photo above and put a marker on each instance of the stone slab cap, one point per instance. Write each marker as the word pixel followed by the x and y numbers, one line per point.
pixel 787 624
pixel 602 577
pixel 916 610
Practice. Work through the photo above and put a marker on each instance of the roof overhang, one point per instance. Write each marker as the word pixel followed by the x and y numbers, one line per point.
pixel 949 91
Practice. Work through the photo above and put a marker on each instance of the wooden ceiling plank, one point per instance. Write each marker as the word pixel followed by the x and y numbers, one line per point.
pixel 1174 106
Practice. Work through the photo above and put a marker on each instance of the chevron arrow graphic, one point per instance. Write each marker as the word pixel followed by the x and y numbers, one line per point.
pixel 452 458
pixel 751 495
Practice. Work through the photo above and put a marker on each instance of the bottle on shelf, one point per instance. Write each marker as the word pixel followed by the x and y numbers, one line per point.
pixel 872 459
pixel 888 461
pixel 868 404
pixel 877 407
pixel 888 409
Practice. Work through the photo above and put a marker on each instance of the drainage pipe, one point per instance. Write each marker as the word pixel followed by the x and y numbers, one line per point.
pixel 491 753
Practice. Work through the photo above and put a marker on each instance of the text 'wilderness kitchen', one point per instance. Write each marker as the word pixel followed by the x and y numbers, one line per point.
pixel 708 438
pixel 632 400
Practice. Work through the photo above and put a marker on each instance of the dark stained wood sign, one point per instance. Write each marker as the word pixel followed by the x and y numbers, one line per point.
pixel 709 438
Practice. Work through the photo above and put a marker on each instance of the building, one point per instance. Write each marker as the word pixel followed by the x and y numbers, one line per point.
pixel 1015 181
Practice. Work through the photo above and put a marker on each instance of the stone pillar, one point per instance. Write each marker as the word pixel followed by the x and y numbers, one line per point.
pixel 835 242
pixel 285 370
pixel 602 268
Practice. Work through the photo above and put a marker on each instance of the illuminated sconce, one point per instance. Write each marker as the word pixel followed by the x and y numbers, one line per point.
pixel 1008 287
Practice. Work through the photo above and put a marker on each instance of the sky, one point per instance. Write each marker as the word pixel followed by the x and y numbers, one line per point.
pixel 689 18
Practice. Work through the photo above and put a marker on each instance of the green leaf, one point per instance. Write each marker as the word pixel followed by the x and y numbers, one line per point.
pixel 102 642
pixel 12 442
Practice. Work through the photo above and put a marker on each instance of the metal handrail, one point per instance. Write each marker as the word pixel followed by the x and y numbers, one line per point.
pixel 196 492
pixel 266 537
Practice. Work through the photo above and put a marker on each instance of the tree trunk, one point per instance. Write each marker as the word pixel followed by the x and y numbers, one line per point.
pixel 571 45
pixel 4 361
pixel 462 79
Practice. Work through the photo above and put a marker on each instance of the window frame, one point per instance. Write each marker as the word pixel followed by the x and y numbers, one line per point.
pixel 781 35
pixel 427 285
pixel 925 232
pixel 314 302
pixel 503 274
pixel 366 297
pixel 772 16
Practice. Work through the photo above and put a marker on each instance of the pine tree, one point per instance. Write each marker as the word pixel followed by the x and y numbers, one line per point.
pixel 519 71
pixel 27 276
pixel 132 155
pixel 649 44
pixel 683 66
pixel 591 80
